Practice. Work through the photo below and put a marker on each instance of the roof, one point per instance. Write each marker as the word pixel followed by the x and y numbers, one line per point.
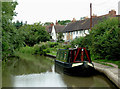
pixel 48 28
pixel 83 24
pixel 59 28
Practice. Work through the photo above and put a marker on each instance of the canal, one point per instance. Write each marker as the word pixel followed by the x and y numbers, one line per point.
pixel 39 71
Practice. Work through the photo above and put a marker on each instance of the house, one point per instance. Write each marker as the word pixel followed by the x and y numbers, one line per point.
pixel 54 30
pixel 81 28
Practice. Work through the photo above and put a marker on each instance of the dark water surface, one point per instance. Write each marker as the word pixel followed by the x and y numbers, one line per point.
pixel 39 71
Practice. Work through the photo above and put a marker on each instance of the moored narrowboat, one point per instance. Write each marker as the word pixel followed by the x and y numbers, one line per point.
pixel 75 61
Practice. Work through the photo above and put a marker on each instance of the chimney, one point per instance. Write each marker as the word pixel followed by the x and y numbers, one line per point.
pixel 94 15
pixel 90 16
pixel 112 13
pixel 52 24
pixel 74 20
pixel 56 22
pixel 86 17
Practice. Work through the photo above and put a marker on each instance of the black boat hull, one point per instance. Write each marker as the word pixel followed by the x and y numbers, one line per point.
pixel 80 70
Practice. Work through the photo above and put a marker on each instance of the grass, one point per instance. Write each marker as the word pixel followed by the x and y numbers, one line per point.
pixel 104 62
pixel 52 54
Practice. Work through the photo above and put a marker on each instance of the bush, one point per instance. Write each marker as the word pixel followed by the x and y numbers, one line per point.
pixel 52 44
pixel 67 46
pixel 27 49
pixel 106 40
pixel 34 34
pixel 77 41
pixel 103 40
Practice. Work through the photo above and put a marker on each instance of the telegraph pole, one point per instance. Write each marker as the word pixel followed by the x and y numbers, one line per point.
pixel 90 16
pixel 119 13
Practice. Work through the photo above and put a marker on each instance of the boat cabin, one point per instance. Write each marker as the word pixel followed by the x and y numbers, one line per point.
pixel 73 55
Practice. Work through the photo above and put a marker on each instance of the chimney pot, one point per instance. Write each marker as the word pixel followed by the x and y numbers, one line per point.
pixel 56 22
pixel 74 20
pixel 112 13
pixel 52 24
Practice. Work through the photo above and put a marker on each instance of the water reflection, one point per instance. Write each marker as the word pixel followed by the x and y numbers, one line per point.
pixel 47 79
pixel 72 81
pixel 40 72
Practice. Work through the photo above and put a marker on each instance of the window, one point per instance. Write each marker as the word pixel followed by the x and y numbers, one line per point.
pixel 73 32
pixel 83 31
pixel 76 32
pixel 80 32
pixel 70 33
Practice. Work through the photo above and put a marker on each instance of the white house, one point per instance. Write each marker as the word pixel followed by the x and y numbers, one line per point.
pixel 53 30
pixel 53 33
pixel 81 28
pixel 76 28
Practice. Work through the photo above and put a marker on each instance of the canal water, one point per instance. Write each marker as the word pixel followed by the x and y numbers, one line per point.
pixel 39 71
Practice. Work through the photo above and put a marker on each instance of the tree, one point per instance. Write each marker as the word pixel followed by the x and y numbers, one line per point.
pixel 18 24
pixel 103 40
pixel 48 23
pixel 11 37
pixel 60 37
pixel 64 22
pixel 34 34
pixel 106 40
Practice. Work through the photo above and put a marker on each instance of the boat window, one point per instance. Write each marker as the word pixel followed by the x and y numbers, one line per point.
pixel 57 56
pixel 62 55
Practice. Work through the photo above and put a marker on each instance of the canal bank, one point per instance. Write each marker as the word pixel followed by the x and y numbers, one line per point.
pixel 112 73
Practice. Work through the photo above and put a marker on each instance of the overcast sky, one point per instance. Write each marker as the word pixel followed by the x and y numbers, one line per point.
pixel 51 10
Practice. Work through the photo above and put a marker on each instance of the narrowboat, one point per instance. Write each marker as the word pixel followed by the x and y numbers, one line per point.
pixel 74 61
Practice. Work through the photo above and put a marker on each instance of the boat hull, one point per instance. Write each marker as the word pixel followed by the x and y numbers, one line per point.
pixel 75 69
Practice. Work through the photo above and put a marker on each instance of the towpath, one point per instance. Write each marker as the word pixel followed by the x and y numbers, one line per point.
pixel 113 73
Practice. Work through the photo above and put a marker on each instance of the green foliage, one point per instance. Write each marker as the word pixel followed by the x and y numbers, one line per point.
pixel 11 39
pixel 60 37
pixel 48 23
pixel 8 11
pixel 77 41
pixel 64 22
pixel 18 24
pixel 40 49
pixel 67 46
pixel 34 34
pixel 52 44
pixel 27 50
pixel 103 40
pixel 106 40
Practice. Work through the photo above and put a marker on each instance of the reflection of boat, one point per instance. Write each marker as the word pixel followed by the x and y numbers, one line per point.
pixel 74 61
pixel 76 81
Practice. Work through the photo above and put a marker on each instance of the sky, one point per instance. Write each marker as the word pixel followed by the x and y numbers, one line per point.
pixel 43 11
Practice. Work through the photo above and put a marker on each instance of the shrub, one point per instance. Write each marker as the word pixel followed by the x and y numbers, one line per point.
pixel 77 41
pixel 106 40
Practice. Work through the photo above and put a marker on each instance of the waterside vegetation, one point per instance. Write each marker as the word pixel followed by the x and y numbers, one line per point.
pixel 103 40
